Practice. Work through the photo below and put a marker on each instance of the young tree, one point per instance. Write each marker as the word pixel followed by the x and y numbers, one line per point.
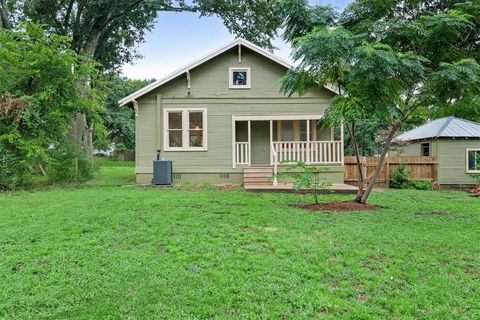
pixel 306 178
pixel 388 60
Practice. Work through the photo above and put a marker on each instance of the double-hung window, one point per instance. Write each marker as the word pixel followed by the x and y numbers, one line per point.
pixel 473 160
pixel 185 129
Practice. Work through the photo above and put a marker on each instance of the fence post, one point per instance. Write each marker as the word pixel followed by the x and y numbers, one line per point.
pixel 364 169
pixel 387 173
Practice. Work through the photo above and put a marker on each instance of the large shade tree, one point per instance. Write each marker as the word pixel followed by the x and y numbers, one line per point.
pixel 110 30
pixel 388 60
pixel 38 96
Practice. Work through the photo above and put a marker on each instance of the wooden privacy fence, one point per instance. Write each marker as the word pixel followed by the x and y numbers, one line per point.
pixel 420 168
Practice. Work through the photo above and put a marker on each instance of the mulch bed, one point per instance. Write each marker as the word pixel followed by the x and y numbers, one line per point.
pixel 475 192
pixel 337 206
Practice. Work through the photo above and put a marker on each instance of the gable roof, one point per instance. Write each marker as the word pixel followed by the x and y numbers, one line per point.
pixel 449 127
pixel 198 62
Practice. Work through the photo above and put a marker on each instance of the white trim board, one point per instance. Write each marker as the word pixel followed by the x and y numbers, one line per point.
pixel 173 75
pixel 282 117
pixel 466 160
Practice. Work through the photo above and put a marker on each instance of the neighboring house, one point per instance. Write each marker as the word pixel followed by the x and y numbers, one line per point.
pixel 456 144
pixel 224 114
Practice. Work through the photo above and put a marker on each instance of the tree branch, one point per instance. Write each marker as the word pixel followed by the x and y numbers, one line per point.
pixel 67 14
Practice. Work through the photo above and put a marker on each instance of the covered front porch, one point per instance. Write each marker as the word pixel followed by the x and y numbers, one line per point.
pixel 267 142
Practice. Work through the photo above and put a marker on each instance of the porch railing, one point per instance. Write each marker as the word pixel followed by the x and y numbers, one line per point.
pixel 275 163
pixel 242 153
pixel 313 152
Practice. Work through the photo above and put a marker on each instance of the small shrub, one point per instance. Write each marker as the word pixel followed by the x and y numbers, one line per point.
pixel 420 185
pixel 306 177
pixel 476 178
pixel 69 165
pixel 401 180
pixel 11 170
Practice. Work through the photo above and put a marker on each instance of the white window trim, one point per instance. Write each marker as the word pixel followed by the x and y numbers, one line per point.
pixel 466 160
pixel 230 78
pixel 185 130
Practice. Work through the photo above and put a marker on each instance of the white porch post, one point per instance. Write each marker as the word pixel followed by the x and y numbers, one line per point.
pixel 307 160
pixel 234 163
pixel 341 144
pixel 271 142
pixel 249 143
pixel 273 160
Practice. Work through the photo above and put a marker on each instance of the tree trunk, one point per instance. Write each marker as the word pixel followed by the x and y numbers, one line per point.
pixel 379 166
pixel 361 178
pixel 4 19
pixel 81 134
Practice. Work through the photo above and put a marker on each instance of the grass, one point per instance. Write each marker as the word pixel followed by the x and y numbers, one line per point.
pixel 110 249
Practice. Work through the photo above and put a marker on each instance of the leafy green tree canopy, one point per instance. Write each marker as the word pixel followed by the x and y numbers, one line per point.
pixel 38 96
pixel 120 120
pixel 110 30
pixel 388 59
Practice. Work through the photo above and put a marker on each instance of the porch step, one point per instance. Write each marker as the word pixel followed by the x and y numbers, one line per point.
pixel 257 176
pixel 257 169
pixel 265 174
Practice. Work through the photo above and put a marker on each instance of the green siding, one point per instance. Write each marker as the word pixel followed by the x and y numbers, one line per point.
pixel 209 89
pixel 452 160
pixel 197 178
pixel 414 149
pixel 451 157
pixel 210 80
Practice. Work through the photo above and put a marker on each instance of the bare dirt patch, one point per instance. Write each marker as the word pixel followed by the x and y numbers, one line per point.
pixel 337 206
pixel 225 186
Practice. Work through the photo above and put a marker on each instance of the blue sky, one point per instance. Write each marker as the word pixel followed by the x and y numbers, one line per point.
pixel 180 38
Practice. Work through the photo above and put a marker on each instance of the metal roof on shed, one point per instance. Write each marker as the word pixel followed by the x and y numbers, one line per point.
pixel 449 127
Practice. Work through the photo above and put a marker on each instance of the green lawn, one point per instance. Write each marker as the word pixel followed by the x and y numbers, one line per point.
pixel 109 249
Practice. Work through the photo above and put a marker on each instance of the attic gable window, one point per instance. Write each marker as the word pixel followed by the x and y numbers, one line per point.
pixel 239 78
pixel 473 160
pixel 185 129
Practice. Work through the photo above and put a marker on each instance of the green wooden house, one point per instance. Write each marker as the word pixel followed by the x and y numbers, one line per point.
pixel 456 144
pixel 222 119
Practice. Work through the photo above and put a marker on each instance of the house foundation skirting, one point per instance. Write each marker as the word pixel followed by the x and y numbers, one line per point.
pixel 197 178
